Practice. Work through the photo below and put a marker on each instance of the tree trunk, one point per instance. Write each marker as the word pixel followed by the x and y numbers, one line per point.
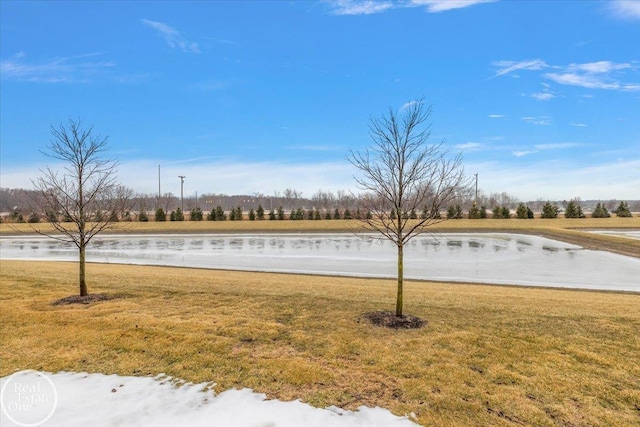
pixel 83 282
pixel 399 299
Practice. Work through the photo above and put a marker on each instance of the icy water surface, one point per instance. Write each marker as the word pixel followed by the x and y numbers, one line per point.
pixel 487 258
pixel 631 234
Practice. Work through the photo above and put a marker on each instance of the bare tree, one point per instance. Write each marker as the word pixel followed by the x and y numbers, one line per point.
pixel 126 196
pixel 291 197
pixel 324 199
pixel 401 173
pixel 166 201
pixel 84 193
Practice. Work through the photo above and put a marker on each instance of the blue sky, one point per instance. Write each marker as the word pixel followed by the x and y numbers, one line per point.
pixel 542 98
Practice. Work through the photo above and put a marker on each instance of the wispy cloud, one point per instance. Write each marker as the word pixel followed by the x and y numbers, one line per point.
pixel 598 67
pixel 496 116
pixel 543 96
pixel 522 153
pixel 408 104
pixel 545 147
pixel 540 121
pixel 506 67
pixel 369 7
pixel 223 41
pixel 174 39
pixel 591 80
pixel 580 125
pixel 435 6
pixel 590 75
pixel 625 9
pixel 354 7
pixel 469 146
pixel 557 146
pixel 73 69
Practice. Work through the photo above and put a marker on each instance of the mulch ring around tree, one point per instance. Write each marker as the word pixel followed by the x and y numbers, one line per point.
pixel 87 299
pixel 388 319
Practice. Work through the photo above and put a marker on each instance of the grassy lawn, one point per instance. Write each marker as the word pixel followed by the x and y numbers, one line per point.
pixel 490 355
pixel 344 225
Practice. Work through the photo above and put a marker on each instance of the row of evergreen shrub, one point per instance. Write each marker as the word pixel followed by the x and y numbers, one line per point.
pixel 573 210
pixel 236 214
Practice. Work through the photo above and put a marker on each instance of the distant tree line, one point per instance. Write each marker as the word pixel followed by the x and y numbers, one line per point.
pixel 20 205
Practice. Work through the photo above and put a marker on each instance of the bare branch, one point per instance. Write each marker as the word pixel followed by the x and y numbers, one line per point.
pixel 82 198
pixel 402 173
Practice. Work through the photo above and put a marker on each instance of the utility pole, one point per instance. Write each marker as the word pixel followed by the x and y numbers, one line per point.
pixel 182 177
pixel 476 188
pixel 158 204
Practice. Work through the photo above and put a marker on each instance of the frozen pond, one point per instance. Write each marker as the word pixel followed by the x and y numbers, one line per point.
pixel 487 258
pixel 631 234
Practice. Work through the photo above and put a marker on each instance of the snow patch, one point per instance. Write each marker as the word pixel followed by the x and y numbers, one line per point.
pixel 111 400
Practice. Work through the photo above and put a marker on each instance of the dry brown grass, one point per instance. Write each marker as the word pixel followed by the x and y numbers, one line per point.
pixel 489 355
pixel 343 225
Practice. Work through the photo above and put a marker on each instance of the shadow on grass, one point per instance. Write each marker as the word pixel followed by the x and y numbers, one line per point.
pixel 86 299
pixel 387 319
